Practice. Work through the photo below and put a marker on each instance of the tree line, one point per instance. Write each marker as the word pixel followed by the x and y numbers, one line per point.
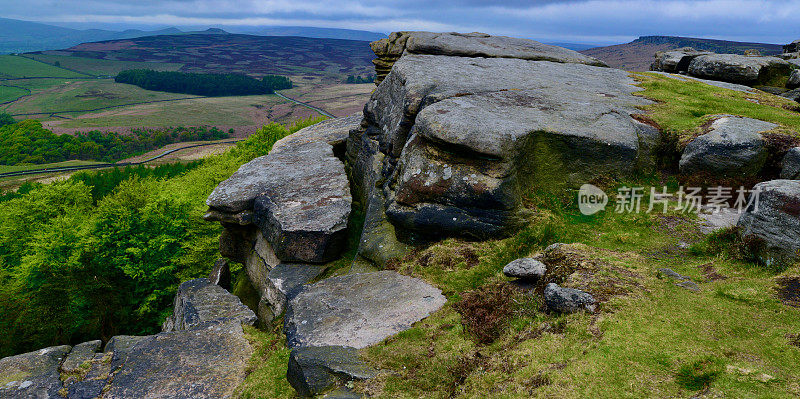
pixel 27 142
pixel 352 79
pixel 203 84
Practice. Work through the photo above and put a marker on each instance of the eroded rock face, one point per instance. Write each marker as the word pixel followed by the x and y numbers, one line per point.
pixel 358 310
pixel 791 165
pixel 198 302
pixel 794 80
pixel 738 68
pixel 463 137
pixel 481 45
pixel 733 146
pixel 775 219
pixel 675 61
pixel 33 374
pixel 285 281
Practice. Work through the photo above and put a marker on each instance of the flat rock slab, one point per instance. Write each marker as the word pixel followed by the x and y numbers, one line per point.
pixel 194 364
pixel 733 146
pixel 477 45
pixel 33 374
pixel 358 310
pixel 738 68
pixel 236 194
pixel 305 204
pixel 285 280
pixel 79 355
pixel 525 268
pixel 198 302
pixel 315 370
pixel 776 220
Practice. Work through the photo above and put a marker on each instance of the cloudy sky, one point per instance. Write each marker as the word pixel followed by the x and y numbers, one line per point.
pixel 576 21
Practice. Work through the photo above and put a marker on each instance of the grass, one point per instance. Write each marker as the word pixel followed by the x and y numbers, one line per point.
pixel 94 66
pixel 266 372
pixel 650 339
pixel 86 95
pixel 8 93
pixel 19 168
pixel 683 106
pixel 14 66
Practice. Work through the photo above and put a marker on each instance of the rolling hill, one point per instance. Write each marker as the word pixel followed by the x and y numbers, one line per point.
pixel 638 54
pixel 248 54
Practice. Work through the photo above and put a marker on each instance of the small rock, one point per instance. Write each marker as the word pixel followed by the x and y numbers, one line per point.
pixel 221 274
pixel 791 165
pixel 671 274
pixel 314 370
pixel 568 300
pixel 689 285
pixel 525 268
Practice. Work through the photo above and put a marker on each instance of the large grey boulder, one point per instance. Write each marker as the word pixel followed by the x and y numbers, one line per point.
pixel 792 95
pixel 304 209
pixel 738 68
pixel 792 47
pixel 315 370
pixel 236 194
pixel 774 219
pixel 469 45
pixel 464 136
pixel 32 375
pixel 675 61
pixel 203 363
pixel 525 268
pixel 568 300
pixel 791 165
pixel 732 147
pixel 198 302
pixel 358 310
pixel 794 80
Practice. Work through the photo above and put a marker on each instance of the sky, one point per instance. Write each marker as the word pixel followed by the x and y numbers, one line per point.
pixel 573 21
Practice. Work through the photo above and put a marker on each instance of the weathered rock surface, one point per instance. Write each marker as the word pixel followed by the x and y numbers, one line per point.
pixel 198 302
pixel 733 146
pixel 468 134
pixel 792 47
pixel 204 363
pixel 675 61
pixel 33 374
pixel 525 268
pixel 738 68
pixel 791 165
pixel 285 280
pixel 79 354
pixel 567 300
pixel 358 310
pixel 469 45
pixel 315 370
pixel 775 219
pixel 792 95
pixel 794 80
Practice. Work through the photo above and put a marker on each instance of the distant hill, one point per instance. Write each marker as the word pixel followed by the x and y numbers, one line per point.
pixel 638 54
pixel 216 51
pixel 18 36
pixel 305 31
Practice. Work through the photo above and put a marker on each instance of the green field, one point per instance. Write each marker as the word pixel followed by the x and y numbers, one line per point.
pixel 86 95
pixel 19 168
pixel 14 66
pixel 10 93
pixel 217 111
pixel 102 67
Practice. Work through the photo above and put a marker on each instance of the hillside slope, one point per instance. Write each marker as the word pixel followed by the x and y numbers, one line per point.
pixel 638 54
pixel 248 54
